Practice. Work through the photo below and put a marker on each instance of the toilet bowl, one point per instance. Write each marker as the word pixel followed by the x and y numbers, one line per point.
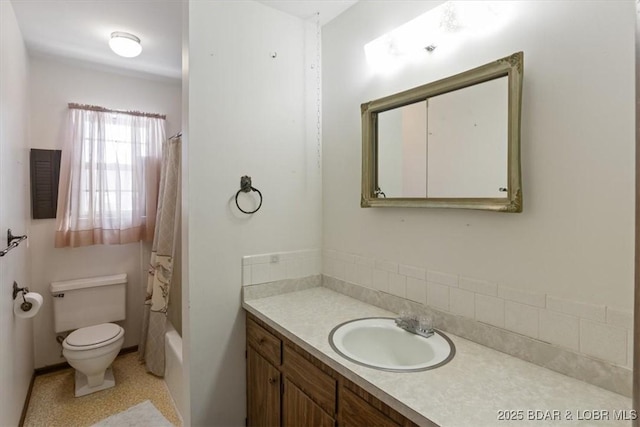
pixel 90 351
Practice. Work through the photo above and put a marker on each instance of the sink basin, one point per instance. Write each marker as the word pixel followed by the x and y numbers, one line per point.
pixel 377 342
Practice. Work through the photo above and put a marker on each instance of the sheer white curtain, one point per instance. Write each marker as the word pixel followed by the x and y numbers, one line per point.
pixel 109 177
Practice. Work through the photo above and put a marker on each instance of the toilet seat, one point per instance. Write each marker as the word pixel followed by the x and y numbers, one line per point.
pixel 92 337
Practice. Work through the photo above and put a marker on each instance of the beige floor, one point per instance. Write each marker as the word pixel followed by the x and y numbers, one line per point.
pixel 52 402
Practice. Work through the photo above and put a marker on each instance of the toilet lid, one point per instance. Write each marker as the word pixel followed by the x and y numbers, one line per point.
pixel 92 335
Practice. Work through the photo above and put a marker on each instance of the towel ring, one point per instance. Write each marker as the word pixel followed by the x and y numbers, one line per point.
pixel 245 187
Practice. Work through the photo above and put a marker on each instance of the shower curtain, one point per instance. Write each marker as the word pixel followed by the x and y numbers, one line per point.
pixel 154 321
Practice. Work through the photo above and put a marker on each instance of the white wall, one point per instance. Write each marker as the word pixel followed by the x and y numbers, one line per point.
pixel 249 114
pixel 53 85
pixel 574 239
pixel 16 336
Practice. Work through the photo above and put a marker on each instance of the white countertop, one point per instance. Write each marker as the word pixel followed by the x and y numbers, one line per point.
pixel 473 389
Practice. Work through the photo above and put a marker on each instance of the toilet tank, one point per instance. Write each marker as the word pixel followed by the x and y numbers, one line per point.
pixel 87 302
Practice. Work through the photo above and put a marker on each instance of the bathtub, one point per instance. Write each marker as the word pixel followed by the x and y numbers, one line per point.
pixel 173 367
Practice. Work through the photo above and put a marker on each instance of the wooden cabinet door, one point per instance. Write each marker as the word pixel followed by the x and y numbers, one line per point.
pixel 299 410
pixel 263 391
pixel 355 412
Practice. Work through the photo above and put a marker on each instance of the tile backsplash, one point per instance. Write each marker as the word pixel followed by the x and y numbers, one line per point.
pixel 598 331
pixel 264 268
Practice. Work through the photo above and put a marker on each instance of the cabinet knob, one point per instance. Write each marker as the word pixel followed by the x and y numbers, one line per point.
pixel 261 340
pixel 272 380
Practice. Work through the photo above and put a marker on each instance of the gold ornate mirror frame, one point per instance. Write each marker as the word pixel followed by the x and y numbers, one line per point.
pixel 511 67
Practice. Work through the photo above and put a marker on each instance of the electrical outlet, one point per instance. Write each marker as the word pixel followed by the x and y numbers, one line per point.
pixel 275 259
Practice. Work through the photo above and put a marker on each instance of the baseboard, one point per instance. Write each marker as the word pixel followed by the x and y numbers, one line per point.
pixel 65 365
pixel 23 416
pixel 127 350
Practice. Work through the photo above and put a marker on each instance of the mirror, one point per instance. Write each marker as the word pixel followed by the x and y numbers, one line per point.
pixel 453 143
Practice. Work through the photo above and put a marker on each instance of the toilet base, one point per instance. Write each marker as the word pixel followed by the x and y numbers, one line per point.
pixel 82 383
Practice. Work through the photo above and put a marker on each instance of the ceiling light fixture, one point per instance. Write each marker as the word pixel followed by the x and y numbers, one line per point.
pixel 125 44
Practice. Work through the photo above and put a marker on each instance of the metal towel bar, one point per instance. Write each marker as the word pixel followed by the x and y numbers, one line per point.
pixel 12 242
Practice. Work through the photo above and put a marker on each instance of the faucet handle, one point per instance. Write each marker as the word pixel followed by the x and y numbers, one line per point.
pixel 405 315
pixel 406 320
pixel 425 322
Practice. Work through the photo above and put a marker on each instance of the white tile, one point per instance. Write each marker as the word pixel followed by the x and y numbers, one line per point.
pixel 310 266
pixel 328 266
pixel 278 271
pixel 294 268
pixel 462 303
pixel 381 280
pixel 334 268
pixel 579 309
pixel 364 275
pixel 386 266
pixel 315 266
pixel 621 318
pixel 351 273
pixel 249 259
pixel 302 253
pixel 360 260
pixel 293 254
pixel 287 256
pixel 260 274
pixel 524 297
pixel 260 259
pixel 479 286
pixel 344 257
pixel 442 278
pixel 340 269
pixel 246 275
pixel 397 285
pixel 438 296
pixel 417 290
pixel 411 271
pixel 490 310
pixel 560 329
pixel 314 253
pixel 298 254
pixel 521 318
pixel 603 341
pixel 307 267
pixel 329 253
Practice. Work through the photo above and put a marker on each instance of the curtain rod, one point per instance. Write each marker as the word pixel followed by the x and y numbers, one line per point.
pixel 107 110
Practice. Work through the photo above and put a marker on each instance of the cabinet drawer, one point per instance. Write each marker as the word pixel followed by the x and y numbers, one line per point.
pixel 315 383
pixel 264 342
pixel 355 412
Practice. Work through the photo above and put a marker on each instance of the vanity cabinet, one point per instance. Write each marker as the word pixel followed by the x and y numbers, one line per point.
pixel 286 386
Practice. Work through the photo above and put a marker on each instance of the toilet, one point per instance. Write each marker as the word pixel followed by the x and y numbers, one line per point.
pixel 87 307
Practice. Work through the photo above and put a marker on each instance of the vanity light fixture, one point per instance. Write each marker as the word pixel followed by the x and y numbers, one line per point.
pixel 443 26
pixel 125 44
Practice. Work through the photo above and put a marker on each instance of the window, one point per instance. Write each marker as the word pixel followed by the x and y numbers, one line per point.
pixel 109 177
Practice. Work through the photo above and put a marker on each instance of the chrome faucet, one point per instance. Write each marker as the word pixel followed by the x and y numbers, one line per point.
pixel 419 325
